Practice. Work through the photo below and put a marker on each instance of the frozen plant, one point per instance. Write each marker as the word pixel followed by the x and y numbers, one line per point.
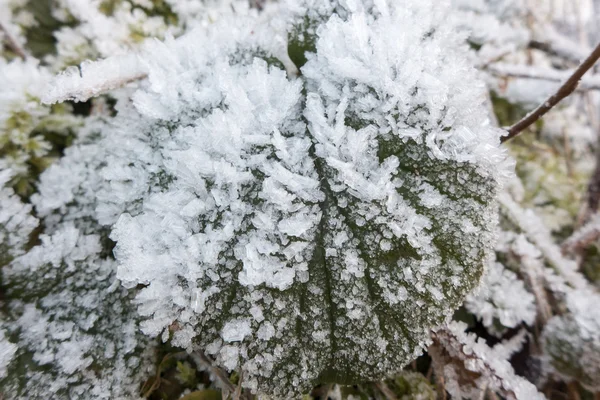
pixel 303 229
pixel 502 301
pixel 470 367
pixel 77 334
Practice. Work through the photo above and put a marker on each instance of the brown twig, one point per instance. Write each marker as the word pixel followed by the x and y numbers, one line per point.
pixel 565 90
pixel 12 43
pixel 573 390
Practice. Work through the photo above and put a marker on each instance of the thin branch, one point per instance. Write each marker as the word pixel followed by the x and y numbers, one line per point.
pixel 549 40
pixel 545 74
pixel 565 90
pixel 557 51
pixel 583 237
pixel 12 43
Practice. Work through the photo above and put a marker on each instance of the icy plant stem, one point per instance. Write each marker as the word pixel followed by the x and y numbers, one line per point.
pixel 12 43
pixel 564 91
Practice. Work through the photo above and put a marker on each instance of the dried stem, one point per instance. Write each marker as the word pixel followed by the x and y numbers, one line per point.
pixel 573 391
pixel 543 74
pixel 565 90
pixel 12 43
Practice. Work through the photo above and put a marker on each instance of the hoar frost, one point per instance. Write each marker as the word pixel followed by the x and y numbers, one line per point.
pixel 308 228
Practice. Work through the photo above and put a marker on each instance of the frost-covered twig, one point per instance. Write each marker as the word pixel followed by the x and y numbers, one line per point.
pixel 548 39
pixel 565 90
pixel 12 43
pixel 533 268
pixel 547 74
pixel 538 234
pixel 581 238
pixel 94 78
pixel 471 367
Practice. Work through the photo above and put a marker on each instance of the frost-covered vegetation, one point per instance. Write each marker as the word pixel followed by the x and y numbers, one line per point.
pixel 298 198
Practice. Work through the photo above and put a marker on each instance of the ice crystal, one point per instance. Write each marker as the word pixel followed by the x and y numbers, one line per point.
pixel 7 353
pixel 299 229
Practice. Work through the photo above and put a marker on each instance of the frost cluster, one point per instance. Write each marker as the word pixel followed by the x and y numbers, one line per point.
pixel 16 221
pixel 282 229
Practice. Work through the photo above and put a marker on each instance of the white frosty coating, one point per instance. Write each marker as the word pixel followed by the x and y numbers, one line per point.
pixel 572 341
pixel 76 336
pixel 540 73
pixel 503 299
pixel 13 19
pixel 7 353
pixel 110 35
pixel 490 364
pixel 93 78
pixel 16 221
pixel 537 274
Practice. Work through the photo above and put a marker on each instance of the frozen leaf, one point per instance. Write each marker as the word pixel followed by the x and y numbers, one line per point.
pixel 307 230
